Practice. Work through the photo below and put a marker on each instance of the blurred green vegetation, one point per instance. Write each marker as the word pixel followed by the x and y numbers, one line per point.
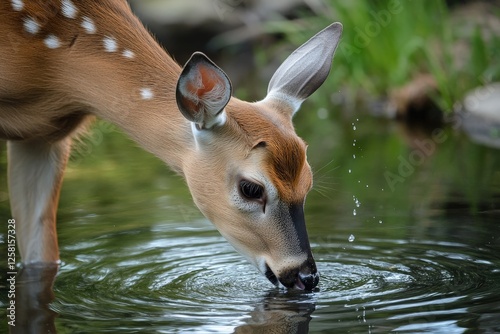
pixel 351 157
pixel 387 43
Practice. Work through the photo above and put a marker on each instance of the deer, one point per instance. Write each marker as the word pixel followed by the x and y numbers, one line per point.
pixel 65 62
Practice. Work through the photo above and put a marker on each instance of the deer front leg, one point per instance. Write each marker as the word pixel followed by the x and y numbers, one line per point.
pixel 36 170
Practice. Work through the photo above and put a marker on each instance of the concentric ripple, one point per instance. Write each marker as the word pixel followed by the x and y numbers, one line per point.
pixel 195 282
pixel 408 283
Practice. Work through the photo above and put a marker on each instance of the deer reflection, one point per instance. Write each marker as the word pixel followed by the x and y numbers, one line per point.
pixel 33 296
pixel 279 312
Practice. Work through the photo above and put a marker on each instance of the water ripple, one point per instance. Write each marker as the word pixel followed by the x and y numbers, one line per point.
pixel 200 282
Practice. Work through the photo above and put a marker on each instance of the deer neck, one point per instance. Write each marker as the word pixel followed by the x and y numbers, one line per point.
pixel 145 110
pixel 123 76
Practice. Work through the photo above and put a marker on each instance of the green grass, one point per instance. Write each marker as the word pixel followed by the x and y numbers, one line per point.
pixel 386 43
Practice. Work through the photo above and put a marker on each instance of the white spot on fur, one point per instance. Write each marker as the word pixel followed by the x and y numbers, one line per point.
pixel 88 25
pixel 52 42
pixel 68 9
pixel 110 44
pixel 31 26
pixel 128 54
pixel 17 5
pixel 146 93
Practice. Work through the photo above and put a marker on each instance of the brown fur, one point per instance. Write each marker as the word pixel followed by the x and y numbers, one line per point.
pixel 47 97
pixel 286 152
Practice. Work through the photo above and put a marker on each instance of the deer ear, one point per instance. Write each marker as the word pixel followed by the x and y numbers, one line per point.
pixel 203 90
pixel 305 70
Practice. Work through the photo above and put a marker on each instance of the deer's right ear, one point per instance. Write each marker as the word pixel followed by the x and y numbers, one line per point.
pixel 203 90
pixel 305 69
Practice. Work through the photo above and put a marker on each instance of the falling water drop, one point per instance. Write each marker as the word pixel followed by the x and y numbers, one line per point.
pixel 354 212
pixel 351 238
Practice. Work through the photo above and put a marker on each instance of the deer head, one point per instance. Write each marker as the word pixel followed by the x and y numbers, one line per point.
pixel 247 171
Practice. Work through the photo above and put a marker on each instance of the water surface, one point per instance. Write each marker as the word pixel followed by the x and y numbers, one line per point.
pixel 404 241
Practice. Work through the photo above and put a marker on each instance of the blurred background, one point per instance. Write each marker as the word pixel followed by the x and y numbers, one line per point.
pixel 404 140
pixel 403 69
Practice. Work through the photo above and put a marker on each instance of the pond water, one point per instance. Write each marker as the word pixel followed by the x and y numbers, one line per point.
pixel 405 230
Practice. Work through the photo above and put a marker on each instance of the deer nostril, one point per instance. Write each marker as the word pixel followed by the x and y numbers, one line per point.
pixel 308 281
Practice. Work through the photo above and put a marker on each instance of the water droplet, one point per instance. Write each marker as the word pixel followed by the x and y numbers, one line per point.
pixel 351 238
pixel 380 222
pixel 354 212
pixel 349 171
pixel 354 156
pixel 354 127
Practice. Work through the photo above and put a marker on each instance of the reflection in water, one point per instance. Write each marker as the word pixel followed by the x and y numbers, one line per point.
pixel 280 313
pixel 198 285
pixel 33 297
pixel 277 312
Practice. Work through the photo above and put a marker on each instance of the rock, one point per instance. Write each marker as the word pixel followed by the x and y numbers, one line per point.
pixel 479 115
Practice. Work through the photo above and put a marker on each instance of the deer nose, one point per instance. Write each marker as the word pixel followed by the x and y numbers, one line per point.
pixel 307 277
pixel 303 277
pixel 307 281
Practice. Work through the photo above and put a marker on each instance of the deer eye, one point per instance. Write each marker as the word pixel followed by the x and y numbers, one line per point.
pixel 251 190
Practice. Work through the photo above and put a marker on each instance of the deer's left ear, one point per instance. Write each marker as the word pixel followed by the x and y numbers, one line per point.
pixel 305 69
pixel 203 90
